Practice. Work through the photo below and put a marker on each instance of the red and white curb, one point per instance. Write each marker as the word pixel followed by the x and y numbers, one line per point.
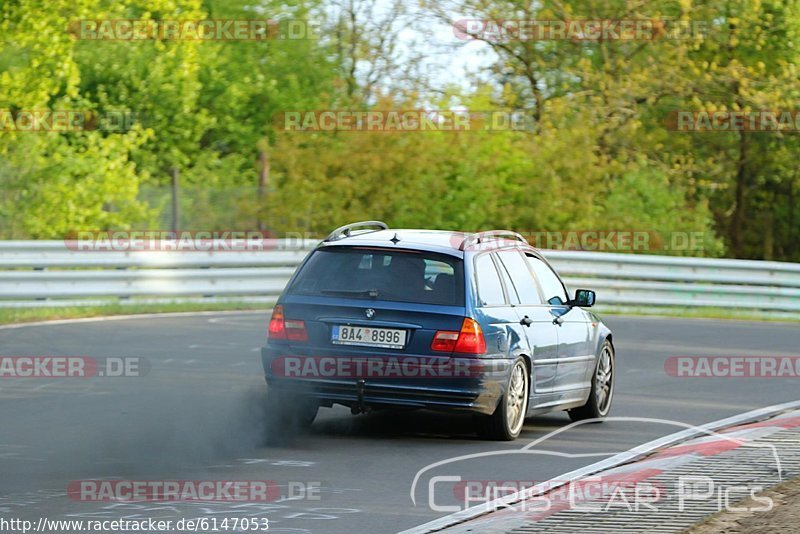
pixel 635 465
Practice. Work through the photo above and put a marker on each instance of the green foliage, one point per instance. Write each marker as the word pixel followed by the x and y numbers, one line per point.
pixel 598 155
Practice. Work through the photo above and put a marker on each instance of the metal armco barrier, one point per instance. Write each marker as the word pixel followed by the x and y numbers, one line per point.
pixel 36 273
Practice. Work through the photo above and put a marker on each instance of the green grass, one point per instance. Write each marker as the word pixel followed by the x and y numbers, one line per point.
pixel 27 315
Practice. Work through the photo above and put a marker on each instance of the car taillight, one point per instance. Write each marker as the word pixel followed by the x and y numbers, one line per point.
pixel 469 340
pixel 444 341
pixel 295 330
pixel 282 328
pixel 277 326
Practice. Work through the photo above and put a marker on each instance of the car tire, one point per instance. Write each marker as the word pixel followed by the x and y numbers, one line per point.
pixel 506 423
pixel 290 412
pixel 602 394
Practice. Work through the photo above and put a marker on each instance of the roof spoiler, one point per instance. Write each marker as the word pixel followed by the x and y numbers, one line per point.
pixel 480 237
pixel 347 229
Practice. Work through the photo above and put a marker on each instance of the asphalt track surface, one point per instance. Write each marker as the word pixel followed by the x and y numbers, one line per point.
pixel 199 414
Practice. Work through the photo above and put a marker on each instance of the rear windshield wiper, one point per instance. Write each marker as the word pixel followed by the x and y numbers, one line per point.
pixel 372 293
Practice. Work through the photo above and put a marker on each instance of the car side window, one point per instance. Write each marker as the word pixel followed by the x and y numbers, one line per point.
pixel 490 289
pixel 551 285
pixel 521 277
pixel 511 291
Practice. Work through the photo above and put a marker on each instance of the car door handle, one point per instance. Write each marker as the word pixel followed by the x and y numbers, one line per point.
pixel 527 321
pixel 558 320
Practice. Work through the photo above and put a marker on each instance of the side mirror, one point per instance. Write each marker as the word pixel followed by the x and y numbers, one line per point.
pixel 584 298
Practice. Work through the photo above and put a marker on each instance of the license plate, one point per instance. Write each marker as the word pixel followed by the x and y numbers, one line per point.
pixel 387 338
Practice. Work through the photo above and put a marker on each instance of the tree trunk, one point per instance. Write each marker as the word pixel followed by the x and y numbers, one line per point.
pixel 263 182
pixel 176 216
pixel 769 234
pixel 741 190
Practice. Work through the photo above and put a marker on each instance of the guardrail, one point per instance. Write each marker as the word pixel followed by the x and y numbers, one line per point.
pixel 39 273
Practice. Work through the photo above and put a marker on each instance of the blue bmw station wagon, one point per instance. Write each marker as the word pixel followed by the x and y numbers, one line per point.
pixel 380 318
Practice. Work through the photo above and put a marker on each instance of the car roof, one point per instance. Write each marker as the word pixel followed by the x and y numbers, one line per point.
pixel 440 241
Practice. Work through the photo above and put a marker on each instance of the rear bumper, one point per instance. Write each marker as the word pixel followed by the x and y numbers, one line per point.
pixel 479 392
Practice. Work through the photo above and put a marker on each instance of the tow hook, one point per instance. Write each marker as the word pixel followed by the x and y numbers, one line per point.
pixel 360 407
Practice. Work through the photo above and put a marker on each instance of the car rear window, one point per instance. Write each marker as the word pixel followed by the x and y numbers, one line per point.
pixel 370 273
